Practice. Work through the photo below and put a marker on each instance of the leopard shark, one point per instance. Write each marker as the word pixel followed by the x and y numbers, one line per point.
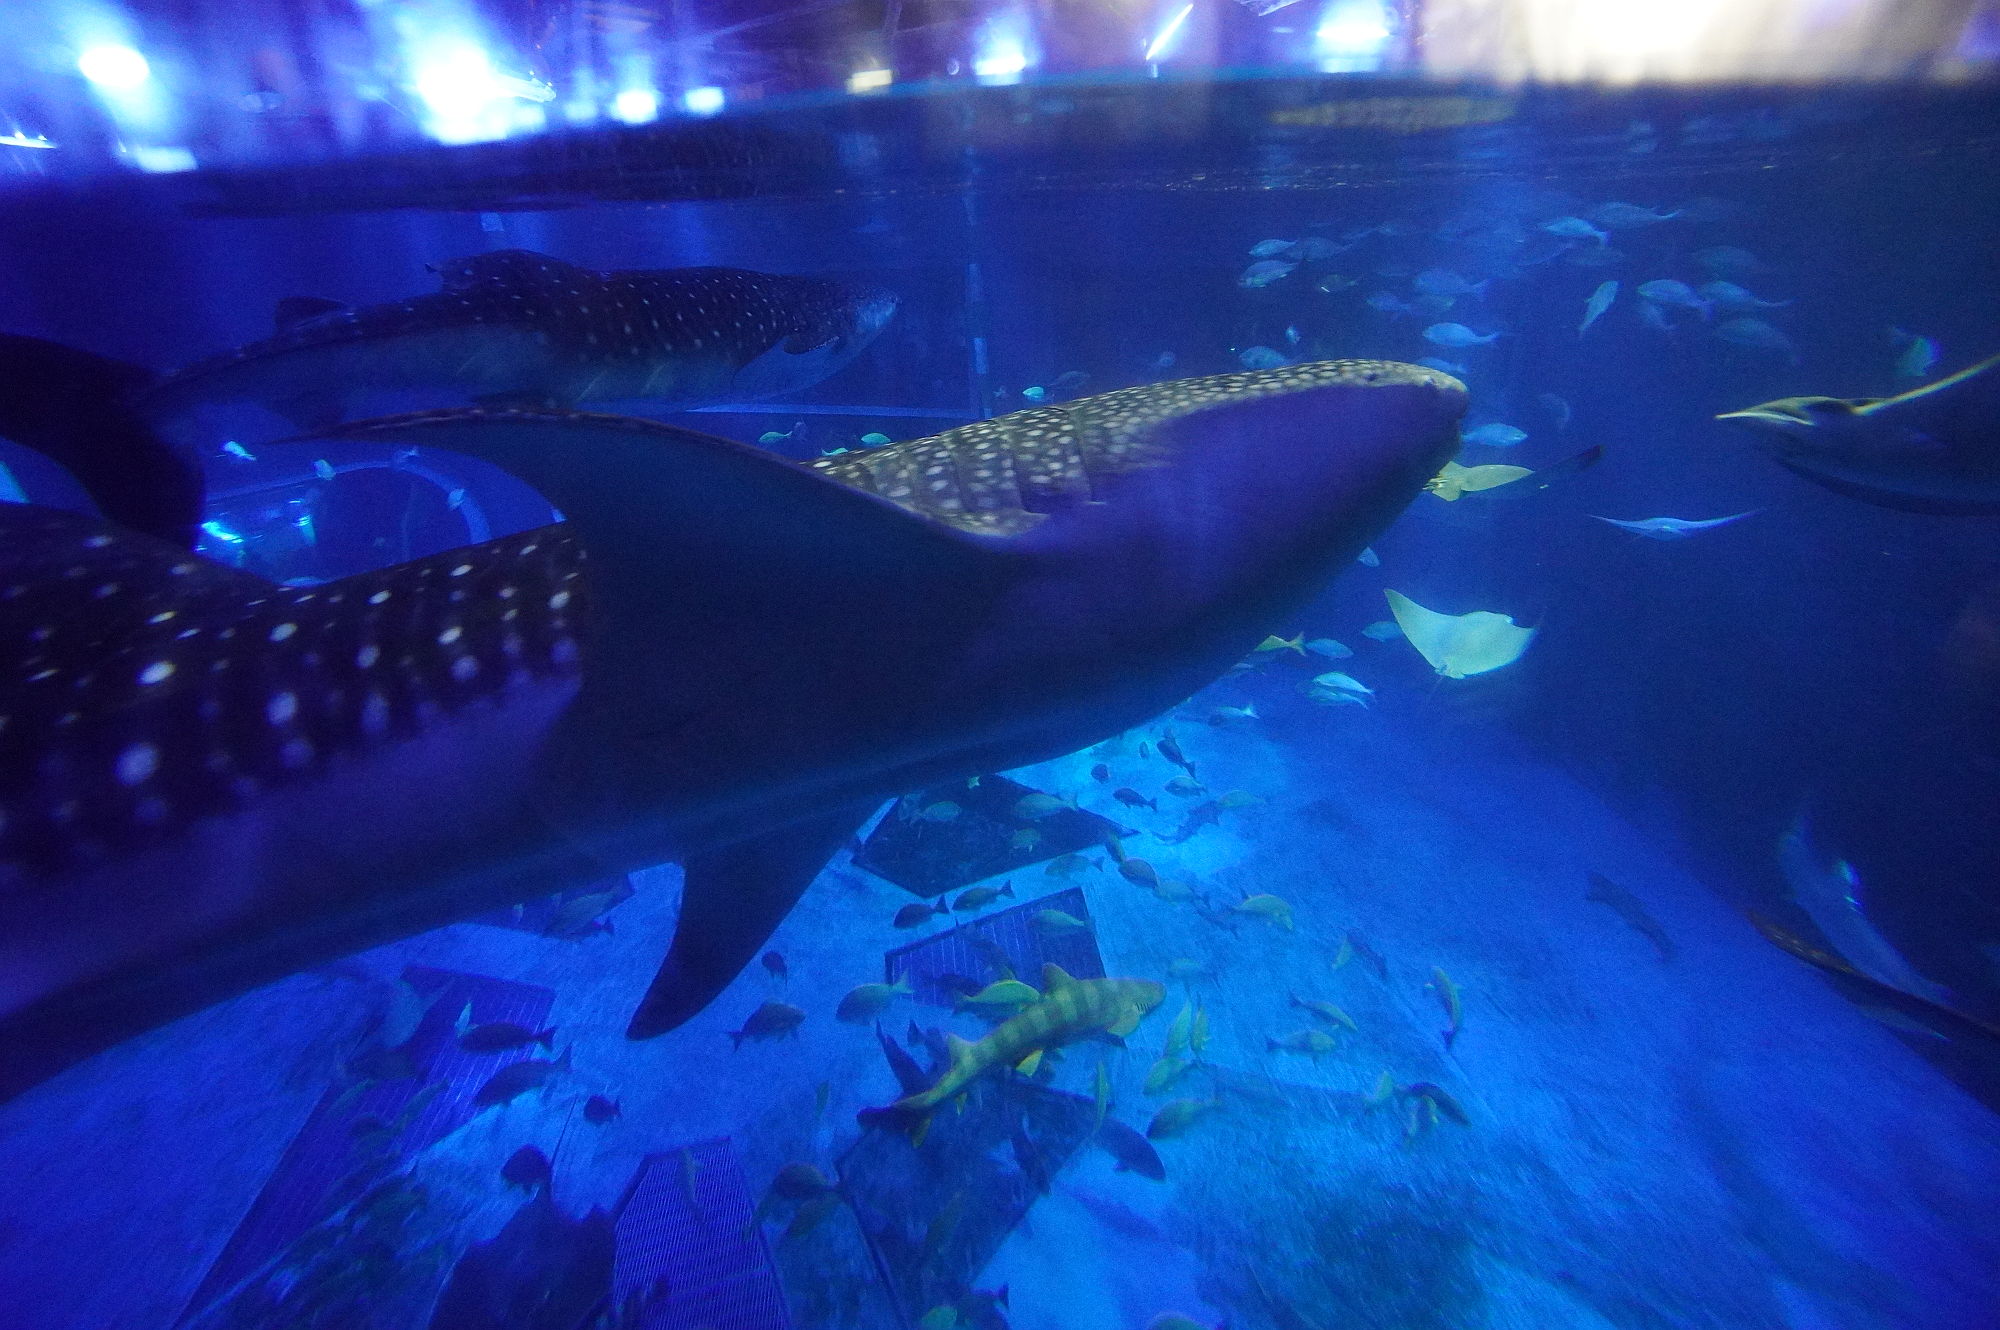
pixel 719 656
pixel 517 327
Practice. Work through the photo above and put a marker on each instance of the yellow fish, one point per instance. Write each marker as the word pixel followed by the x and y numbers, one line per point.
pixel 1001 993
pixel 1447 995
pixel 1176 1116
pixel 1177 1033
pixel 1313 1042
pixel 1326 1011
pixel 1266 906
pixel 1164 1073
pixel 1297 644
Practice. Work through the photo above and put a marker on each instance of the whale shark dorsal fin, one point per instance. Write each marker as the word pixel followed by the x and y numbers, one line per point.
pixel 1054 979
pixel 293 310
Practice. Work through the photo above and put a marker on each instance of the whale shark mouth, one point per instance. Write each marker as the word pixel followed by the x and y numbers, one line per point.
pixel 721 656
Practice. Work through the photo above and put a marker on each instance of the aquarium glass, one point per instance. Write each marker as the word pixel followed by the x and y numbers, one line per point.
pixel 1285 664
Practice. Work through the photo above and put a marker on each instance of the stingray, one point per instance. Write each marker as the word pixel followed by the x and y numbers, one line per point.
pixel 720 657
pixel 1460 645
pixel 1934 449
pixel 1674 528
pixel 1455 480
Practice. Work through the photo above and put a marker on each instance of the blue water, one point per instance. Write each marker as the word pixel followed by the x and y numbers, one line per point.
pixel 1720 1139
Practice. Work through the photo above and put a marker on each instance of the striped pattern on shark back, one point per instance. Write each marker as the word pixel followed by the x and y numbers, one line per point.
pixel 1005 475
pixel 146 688
pixel 1068 1009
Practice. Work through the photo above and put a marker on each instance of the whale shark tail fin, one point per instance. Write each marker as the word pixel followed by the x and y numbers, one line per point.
pixel 75 408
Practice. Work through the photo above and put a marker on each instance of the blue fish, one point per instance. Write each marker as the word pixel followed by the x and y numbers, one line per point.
pixel 519 328
pixel 208 782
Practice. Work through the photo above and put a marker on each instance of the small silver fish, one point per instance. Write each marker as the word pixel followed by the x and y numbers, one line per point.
pixel 1757 334
pixel 1445 282
pixel 1665 291
pixel 1264 272
pixel 1456 335
pixel 1495 435
pixel 1593 308
pixel 1575 228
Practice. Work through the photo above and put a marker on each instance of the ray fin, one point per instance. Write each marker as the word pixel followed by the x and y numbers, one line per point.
pixel 732 900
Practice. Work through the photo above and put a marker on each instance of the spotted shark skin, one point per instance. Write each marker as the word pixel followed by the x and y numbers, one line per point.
pixel 521 326
pixel 720 657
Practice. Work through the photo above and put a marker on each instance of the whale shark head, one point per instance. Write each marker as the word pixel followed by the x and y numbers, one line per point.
pixel 824 324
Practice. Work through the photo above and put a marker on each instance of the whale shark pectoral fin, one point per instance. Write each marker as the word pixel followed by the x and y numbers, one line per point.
pixel 76 409
pixel 732 899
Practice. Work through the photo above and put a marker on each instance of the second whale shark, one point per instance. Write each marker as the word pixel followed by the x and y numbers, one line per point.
pixel 521 328
pixel 208 782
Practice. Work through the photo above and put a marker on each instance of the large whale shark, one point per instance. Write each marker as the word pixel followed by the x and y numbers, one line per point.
pixel 518 327
pixel 1933 449
pixel 720 656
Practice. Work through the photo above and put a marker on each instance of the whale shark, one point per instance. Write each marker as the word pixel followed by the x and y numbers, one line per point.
pixel 720 656
pixel 1934 449
pixel 518 327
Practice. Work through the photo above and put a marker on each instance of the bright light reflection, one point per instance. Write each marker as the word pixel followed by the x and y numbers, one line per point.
pixel 1166 37
pixel 1003 59
pixel 20 140
pixel 161 160
pixel 119 68
pixel 702 101
pixel 636 106
pixel 868 80
pixel 1352 35
pixel 458 86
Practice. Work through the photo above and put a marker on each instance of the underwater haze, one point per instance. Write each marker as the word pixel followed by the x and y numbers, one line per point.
pixel 1385 714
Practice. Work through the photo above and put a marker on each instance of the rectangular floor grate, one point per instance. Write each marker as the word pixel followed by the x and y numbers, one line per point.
pixel 977 951
pixel 328 1155
pixel 935 1214
pixel 684 1232
pixel 986 837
